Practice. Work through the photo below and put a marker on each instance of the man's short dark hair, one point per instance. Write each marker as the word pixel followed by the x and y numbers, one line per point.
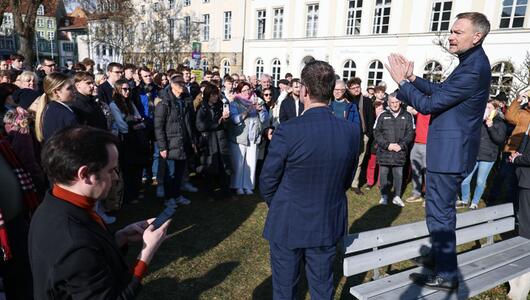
pixel 144 69
pixel 283 81
pixel 287 75
pixel 354 81
pixel 228 78
pixel 294 80
pixel 46 58
pixel 379 88
pixel 129 67
pixel 185 68
pixel 208 72
pixel 319 79
pixel 88 62
pixel 17 56
pixel 216 74
pixel 73 147
pixel 113 65
pixel 480 22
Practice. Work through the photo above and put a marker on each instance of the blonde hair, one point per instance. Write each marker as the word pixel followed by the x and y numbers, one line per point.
pixel 52 83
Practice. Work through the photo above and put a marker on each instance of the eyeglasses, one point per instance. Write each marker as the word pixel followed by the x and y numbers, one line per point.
pixel 266 95
pixel 49 66
pixel 126 89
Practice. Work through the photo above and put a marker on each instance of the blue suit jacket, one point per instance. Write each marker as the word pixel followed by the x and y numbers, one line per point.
pixel 309 167
pixel 457 107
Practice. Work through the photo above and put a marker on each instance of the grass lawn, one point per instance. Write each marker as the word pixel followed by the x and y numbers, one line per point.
pixel 216 249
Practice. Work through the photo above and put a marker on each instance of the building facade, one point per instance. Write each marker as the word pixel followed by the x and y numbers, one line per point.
pixel 356 36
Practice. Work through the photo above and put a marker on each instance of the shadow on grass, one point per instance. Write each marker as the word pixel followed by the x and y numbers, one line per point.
pixel 379 216
pixel 192 288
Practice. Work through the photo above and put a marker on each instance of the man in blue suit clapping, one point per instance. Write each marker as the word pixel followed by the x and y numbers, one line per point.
pixel 310 165
pixel 457 108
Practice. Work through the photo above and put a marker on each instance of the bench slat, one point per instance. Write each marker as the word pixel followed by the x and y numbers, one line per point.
pixel 384 236
pixel 395 281
pixel 470 272
pixel 387 256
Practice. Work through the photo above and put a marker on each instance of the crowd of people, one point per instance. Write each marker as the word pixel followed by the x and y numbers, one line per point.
pixel 168 126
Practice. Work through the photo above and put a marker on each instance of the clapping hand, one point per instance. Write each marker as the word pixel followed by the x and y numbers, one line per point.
pixel 399 67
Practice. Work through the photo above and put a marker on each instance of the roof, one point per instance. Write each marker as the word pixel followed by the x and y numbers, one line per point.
pixel 74 20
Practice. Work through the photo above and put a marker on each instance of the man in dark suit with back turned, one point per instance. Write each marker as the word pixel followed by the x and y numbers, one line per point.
pixel 457 108
pixel 310 165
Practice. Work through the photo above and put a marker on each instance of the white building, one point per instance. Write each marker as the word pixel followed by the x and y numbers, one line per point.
pixel 356 36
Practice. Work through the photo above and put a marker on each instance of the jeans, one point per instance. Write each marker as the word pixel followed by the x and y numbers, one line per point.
pixel 156 156
pixel 484 168
pixel 173 177
pixel 397 174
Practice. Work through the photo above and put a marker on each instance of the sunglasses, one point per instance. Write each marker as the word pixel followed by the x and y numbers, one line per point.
pixel 126 89
pixel 266 94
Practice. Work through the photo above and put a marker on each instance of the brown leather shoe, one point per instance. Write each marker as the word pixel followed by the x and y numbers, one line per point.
pixel 357 191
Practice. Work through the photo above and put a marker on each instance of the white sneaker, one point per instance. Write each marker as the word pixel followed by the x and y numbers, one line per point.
pixel 397 201
pixel 188 187
pixel 383 201
pixel 160 192
pixel 240 192
pixel 473 206
pixel 183 200
pixel 249 192
pixel 171 203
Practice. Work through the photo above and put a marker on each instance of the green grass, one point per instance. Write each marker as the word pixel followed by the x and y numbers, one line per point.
pixel 216 249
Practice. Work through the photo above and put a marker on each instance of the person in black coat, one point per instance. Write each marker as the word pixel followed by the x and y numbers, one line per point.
pixel 521 159
pixel 72 253
pixel 88 111
pixel 492 137
pixel 393 133
pixel 212 119
pixel 174 132
pixel 292 107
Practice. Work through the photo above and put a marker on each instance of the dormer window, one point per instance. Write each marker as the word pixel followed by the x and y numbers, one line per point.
pixel 40 10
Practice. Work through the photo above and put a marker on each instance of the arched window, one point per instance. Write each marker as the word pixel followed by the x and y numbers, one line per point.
pixel 226 67
pixel 375 73
pixel 276 70
pixel 348 70
pixel 204 64
pixel 40 10
pixel 501 78
pixel 260 68
pixel 186 62
pixel 433 71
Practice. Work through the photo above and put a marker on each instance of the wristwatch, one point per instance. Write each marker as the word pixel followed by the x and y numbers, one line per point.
pixel 402 82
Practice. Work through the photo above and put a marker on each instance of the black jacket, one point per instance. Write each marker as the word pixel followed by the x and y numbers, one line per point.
pixel 25 97
pixel 105 91
pixel 73 257
pixel 390 130
pixel 56 117
pixel 174 131
pixel 213 141
pixel 193 89
pixel 288 109
pixel 89 112
pixel 491 139
pixel 275 92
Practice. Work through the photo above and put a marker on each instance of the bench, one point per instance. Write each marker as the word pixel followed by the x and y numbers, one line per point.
pixel 479 270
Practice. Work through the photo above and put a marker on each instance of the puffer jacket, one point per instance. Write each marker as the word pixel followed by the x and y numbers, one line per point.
pixel 491 139
pixel 174 130
pixel 389 130
pixel 520 117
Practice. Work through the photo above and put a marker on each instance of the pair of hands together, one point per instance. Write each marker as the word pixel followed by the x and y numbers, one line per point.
pixel 143 231
pixel 394 147
pixel 400 68
pixel 514 156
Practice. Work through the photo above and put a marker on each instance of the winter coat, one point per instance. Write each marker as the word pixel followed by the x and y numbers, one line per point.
pixel 174 121
pixel 213 140
pixel 89 112
pixel 491 139
pixel 520 117
pixel 389 129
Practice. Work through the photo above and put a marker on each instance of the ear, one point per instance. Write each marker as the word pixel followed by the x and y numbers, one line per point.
pixel 477 37
pixel 82 175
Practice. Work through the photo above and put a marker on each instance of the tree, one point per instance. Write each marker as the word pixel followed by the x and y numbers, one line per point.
pixel 522 76
pixel 24 16
pixel 3 7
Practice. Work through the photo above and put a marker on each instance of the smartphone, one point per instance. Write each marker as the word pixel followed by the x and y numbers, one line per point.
pixel 165 215
pixel 226 107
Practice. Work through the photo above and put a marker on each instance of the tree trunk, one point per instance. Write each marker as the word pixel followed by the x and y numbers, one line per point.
pixel 26 49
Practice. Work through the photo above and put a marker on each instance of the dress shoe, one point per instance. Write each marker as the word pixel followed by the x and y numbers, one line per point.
pixel 357 191
pixel 426 261
pixel 434 282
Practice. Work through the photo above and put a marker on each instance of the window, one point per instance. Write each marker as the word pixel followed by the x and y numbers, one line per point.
pixel 501 78
pixel 68 47
pixel 513 12
pixel 40 34
pixel 51 35
pixel 187 26
pixel 227 25
pixel 40 10
pixel 312 20
pixel 204 64
pixel 156 6
pixel 187 2
pixel 206 27
pixel 43 46
pixel 50 24
pixel 142 9
pixel 10 45
pixel 97 50
pixel 353 26
pixel 172 3
pixel 226 67
pixel 278 23
pixel 2 44
pixel 205 1
pixel 110 50
pixel 348 70
pixel 171 23
pixel 40 22
pixel 441 15
pixel 262 17
pixel 104 49
pixel 381 16
pixel 276 70
pixel 375 73
pixel 433 71
pixel 260 68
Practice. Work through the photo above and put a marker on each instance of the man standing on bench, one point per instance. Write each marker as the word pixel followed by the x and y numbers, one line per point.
pixel 457 108
pixel 309 168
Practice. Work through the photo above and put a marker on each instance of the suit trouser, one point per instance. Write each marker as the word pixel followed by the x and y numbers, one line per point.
pixel 364 149
pixel 440 201
pixel 524 213
pixel 285 265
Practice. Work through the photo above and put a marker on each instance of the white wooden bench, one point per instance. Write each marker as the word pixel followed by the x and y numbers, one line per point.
pixel 479 270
